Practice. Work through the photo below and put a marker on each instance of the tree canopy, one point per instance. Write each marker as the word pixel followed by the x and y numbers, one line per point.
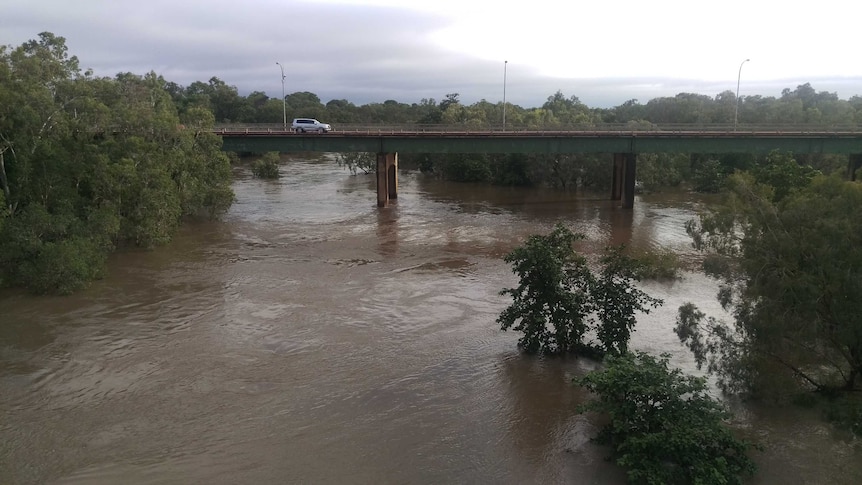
pixel 88 163
pixel 787 247
pixel 560 301
pixel 663 426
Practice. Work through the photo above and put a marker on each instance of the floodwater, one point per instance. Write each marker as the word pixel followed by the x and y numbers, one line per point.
pixel 312 338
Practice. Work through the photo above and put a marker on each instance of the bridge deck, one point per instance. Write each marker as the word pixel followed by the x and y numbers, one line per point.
pixel 690 139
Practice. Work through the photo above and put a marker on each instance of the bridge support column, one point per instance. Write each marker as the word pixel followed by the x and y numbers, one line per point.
pixel 387 178
pixel 854 162
pixel 623 189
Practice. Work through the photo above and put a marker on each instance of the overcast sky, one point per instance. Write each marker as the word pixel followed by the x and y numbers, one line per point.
pixel 603 52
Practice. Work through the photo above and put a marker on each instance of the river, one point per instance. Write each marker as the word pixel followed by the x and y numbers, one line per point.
pixel 309 337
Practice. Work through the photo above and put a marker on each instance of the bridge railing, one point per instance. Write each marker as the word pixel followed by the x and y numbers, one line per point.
pixel 616 128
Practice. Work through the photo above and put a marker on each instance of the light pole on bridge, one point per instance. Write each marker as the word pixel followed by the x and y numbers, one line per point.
pixel 736 110
pixel 505 65
pixel 283 100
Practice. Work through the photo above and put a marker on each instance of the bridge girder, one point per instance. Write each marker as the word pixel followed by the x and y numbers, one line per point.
pixel 580 143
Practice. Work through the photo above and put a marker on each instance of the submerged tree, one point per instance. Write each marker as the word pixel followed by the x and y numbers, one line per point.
pixel 356 161
pixel 559 299
pixel 89 163
pixel 266 167
pixel 663 426
pixel 787 248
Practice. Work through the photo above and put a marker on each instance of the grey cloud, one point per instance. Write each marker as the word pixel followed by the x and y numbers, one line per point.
pixel 362 54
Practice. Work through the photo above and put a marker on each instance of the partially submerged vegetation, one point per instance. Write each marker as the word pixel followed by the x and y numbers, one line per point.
pixel 89 164
pixel 356 161
pixel 661 264
pixel 663 426
pixel 787 248
pixel 266 167
pixel 786 245
pixel 562 306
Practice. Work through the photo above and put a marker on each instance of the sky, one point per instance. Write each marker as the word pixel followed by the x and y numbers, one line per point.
pixel 369 51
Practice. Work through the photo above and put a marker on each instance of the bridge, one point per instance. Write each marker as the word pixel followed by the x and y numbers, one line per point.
pixel 623 141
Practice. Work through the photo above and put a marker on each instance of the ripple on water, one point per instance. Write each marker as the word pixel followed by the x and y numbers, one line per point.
pixel 312 338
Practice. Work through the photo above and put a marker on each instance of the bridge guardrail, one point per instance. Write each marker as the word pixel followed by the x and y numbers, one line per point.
pixel 615 128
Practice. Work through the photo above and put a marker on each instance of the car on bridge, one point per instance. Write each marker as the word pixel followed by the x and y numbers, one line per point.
pixel 302 125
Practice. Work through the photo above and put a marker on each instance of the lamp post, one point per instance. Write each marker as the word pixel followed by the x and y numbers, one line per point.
pixel 283 100
pixel 505 65
pixel 736 110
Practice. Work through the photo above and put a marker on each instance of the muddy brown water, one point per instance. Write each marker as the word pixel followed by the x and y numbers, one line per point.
pixel 312 338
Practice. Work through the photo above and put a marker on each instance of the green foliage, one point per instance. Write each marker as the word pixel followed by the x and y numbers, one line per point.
pixel 595 172
pixel 557 171
pixel 511 170
pixel 663 426
pixel 781 172
pixel 617 299
pixel 90 163
pixel 51 253
pixel 552 291
pixel 708 176
pixel 656 171
pixel 356 161
pixel 266 167
pixel 657 265
pixel 789 257
pixel 559 299
pixel 465 167
pixel 567 112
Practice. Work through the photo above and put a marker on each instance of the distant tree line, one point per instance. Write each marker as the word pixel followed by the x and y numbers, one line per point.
pixel 803 105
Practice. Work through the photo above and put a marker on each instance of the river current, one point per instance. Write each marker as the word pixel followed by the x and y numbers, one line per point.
pixel 309 337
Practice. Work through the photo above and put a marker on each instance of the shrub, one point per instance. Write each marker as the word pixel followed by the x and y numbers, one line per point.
pixel 664 427
pixel 655 265
pixel 266 167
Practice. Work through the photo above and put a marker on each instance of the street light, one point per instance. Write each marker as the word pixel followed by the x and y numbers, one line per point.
pixel 283 100
pixel 738 77
pixel 505 65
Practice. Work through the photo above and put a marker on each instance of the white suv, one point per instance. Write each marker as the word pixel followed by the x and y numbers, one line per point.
pixel 301 125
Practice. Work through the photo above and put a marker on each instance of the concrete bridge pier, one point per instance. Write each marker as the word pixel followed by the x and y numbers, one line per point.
pixel 624 179
pixel 854 162
pixel 387 178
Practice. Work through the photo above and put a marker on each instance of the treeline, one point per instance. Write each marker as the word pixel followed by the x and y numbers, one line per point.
pixel 803 105
pixel 88 164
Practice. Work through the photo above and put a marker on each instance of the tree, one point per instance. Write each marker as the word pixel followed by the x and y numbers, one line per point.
pixel 266 167
pixel 663 426
pixel 657 170
pixel 569 111
pixel 616 299
pixel 355 161
pixel 304 104
pixel 708 175
pixel 465 167
pixel 559 299
pixel 787 248
pixel 89 163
